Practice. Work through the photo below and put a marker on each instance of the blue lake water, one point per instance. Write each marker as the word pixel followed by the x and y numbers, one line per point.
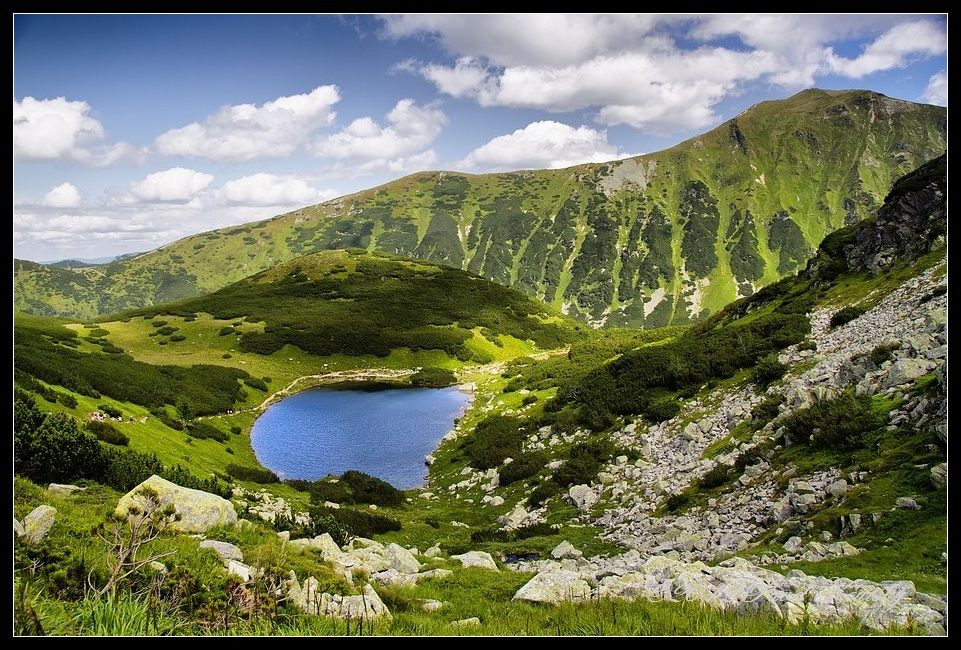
pixel 385 432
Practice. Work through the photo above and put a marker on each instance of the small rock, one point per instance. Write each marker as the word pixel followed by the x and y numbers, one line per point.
pixel 38 523
pixel 476 559
pixel 583 497
pixel 284 535
pixel 239 569
pixel 566 551
pixel 792 544
pixel 939 475
pixel 433 551
pixel 907 503
pixel 64 489
pixel 466 622
pixel 225 550
pixel 429 605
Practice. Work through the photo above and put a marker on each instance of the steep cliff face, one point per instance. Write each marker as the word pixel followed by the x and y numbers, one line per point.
pixel 666 237
pixel 912 221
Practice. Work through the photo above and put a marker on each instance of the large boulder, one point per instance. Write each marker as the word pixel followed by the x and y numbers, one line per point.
pixel 199 511
pixel 38 523
pixel 554 586
pixel 566 551
pixel 476 558
pixel 401 559
pixel 903 371
pixel 939 475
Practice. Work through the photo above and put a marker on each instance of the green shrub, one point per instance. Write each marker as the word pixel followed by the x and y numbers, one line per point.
pixel 177 338
pixel 356 523
pixel 716 477
pixel 523 467
pixel 205 431
pixel 676 501
pixel 662 409
pixel 365 488
pixel 542 493
pixel 839 423
pixel 807 344
pixel 882 353
pixel 67 400
pixel 766 410
pixel 98 333
pixel 846 315
pixel 225 331
pixel 110 411
pixel 438 377
pixel 529 399
pixel 252 474
pixel 255 383
pixel 324 490
pixel 495 438
pixel 768 370
pixel 226 355
pixel 108 433
pixel 576 471
pixel 235 430
pixel 494 534
pixel 157 323
pixel 167 330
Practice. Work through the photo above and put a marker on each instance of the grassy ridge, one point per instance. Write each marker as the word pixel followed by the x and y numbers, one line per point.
pixel 663 238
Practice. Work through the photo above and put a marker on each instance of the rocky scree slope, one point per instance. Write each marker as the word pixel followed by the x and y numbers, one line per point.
pixel 773 492
pixel 667 237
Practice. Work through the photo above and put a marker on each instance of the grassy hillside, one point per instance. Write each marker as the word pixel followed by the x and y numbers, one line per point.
pixel 330 312
pixel 663 238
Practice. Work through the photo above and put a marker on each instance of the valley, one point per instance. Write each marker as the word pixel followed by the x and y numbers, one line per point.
pixel 775 466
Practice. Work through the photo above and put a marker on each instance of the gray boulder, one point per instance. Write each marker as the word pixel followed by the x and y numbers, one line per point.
pixel 939 475
pixel 906 370
pixel 401 559
pixel 225 550
pixel 199 511
pixel 583 497
pixel 18 530
pixel 62 489
pixel 907 503
pixel 38 523
pixel 566 551
pixel 476 559
pixel 554 586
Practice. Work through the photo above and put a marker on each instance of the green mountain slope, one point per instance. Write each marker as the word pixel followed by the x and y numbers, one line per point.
pixel 663 238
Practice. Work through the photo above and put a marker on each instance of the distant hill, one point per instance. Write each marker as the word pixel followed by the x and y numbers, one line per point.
pixel 667 237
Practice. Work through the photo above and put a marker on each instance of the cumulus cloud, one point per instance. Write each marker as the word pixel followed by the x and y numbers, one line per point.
pixel 409 129
pixel 894 49
pixel 543 144
pixel 632 68
pixel 247 131
pixel 65 195
pixel 937 89
pixel 60 129
pixel 268 189
pixel 175 185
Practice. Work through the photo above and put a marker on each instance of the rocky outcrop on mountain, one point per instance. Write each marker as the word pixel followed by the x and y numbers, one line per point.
pixel 912 221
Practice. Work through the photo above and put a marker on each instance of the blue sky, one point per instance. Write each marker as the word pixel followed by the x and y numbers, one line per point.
pixel 133 131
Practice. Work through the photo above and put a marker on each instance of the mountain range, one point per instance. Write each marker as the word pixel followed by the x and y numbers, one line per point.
pixel 663 238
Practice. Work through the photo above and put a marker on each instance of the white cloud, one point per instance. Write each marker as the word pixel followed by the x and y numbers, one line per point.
pixel 65 195
pixel 543 144
pixel 528 39
pixel 632 68
pixel 176 185
pixel 59 129
pixel 894 49
pixel 247 131
pixel 268 189
pixel 937 90
pixel 410 128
